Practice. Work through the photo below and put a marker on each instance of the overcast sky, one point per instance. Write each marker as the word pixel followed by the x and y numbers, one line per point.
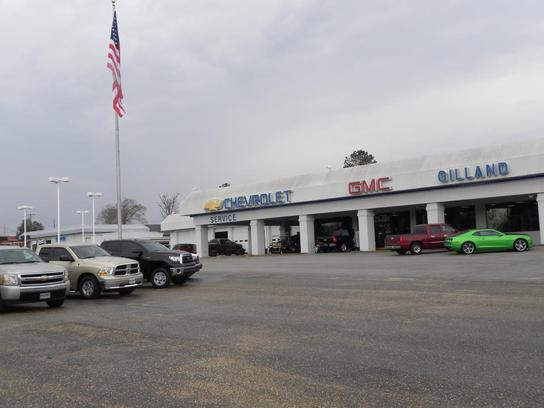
pixel 246 90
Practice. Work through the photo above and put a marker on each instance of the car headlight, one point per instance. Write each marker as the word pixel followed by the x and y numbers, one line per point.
pixel 65 275
pixel 106 270
pixel 10 279
pixel 175 258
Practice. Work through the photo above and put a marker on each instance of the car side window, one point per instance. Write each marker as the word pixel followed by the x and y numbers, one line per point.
pixel 436 229
pixel 448 229
pixel 130 249
pixel 58 253
pixel 477 234
pixel 419 229
pixel 113 248
pixel 45 253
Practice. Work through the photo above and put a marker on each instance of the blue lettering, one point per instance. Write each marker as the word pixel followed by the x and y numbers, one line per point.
pixel 452 178
pixel 478 172
pixel 457 176
pixel 467 175
pixel 491 170
pixel 503 168
pixel 442 176
pixel 288 195
pixel 279 197
pixel 264 199
pixel 242 202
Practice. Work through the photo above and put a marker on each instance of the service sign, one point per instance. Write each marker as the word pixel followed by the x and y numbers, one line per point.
pixel 250 201
pixel 471 173
pixel 222 218
pixel 375 185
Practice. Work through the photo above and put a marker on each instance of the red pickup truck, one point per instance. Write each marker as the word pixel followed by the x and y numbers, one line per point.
pixel 425 236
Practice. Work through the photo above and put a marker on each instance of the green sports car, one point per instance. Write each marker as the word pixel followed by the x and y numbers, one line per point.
pixel 481 240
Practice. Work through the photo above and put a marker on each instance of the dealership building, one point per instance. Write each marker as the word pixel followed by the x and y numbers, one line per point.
pixel 499 187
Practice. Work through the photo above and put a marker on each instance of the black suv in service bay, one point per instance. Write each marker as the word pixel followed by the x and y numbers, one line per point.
pixel 158 264
pixel 224 246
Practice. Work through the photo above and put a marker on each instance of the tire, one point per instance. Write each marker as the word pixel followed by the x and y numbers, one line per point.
pixel 213 253
pixel 468 248
pixel 520 245
pixel 3 306
pixel 401 251
pixel 55 304
pixel 344 247
pixel 228 253
pixel 160 278
pixel 89 288
pixel 126 292
pixel 416 248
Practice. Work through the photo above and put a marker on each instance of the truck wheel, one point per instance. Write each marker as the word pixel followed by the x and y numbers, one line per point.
pixel 343 247
pixel 54 304
pixel 3 306
pixel 401 251
pixel 160 278
pixel 125 292
pixel 415 248
pixel 89 288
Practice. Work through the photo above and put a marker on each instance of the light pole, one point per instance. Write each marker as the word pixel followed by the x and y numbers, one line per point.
pixel 92 197
pixel 82 212
pixel 57 181
pixel 24 208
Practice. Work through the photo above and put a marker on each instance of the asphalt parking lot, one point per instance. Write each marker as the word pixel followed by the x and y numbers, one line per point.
pixel 327 330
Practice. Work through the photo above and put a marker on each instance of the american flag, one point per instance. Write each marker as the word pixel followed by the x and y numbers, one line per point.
pixel 114 64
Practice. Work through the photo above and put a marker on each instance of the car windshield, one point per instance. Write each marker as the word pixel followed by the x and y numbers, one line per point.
pixel 153 246
pixel 89 251
pixel 18 256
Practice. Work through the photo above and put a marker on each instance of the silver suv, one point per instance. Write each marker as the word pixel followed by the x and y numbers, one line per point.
pixel 24 278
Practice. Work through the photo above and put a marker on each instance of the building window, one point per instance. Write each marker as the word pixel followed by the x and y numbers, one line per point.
pixel 461 218
pixel 514 216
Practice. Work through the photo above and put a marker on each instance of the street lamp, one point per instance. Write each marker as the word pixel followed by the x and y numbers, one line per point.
pixel 57 181
pixel 24 208
pixel 82 212
pixel 92 197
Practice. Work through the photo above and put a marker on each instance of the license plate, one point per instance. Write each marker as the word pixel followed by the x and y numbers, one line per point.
pixel 132 281
pixel 46 295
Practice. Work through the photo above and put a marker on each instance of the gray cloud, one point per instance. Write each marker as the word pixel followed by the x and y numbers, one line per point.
pixel 245 90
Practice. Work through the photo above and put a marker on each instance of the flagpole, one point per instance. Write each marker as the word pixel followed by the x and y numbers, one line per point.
pixel 118 167
pixel 118 176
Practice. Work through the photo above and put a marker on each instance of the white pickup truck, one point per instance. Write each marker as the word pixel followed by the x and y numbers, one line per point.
pixel 25 278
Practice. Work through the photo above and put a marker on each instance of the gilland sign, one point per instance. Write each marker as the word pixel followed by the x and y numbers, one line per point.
pixel 477 172
pixel 375 185
pixel 250 201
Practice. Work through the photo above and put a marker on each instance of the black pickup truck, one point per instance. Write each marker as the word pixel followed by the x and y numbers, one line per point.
pixel 223 246
pixel 158 264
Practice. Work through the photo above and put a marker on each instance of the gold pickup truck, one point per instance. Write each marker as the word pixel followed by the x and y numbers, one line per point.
pixel 92 270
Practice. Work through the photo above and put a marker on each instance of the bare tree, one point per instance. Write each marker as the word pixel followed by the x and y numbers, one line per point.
pixel 168 204
pixel 224 185
pixel 131 211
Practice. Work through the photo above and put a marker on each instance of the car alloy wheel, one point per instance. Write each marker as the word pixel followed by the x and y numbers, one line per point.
pixel 344 248
pixel 468 248
pixel 160 279
pixel 520 245
pixel 416 249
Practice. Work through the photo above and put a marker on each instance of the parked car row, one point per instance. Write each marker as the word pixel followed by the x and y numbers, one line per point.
pixel 115 266
pixel 436 236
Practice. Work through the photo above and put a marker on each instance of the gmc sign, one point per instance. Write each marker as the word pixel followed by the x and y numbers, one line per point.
pixel 369 186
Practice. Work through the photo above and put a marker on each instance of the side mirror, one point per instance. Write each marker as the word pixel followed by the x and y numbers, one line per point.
pixel 66 258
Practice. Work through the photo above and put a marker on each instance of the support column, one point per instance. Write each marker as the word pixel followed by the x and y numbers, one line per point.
pixel 367 237
pixel 257 237
pixel 481 216
pixel 540 201
pixel 413 219
pixel 307 234
pixel 435 213
pixel 201 238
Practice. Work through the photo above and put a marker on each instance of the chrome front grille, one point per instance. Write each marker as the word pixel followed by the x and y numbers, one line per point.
pixel 43 279
pixel 127 269
pixel 187 258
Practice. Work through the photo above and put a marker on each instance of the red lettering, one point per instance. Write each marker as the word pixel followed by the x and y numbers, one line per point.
pixel 369 186
pixel 380 184
pixel 354 187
